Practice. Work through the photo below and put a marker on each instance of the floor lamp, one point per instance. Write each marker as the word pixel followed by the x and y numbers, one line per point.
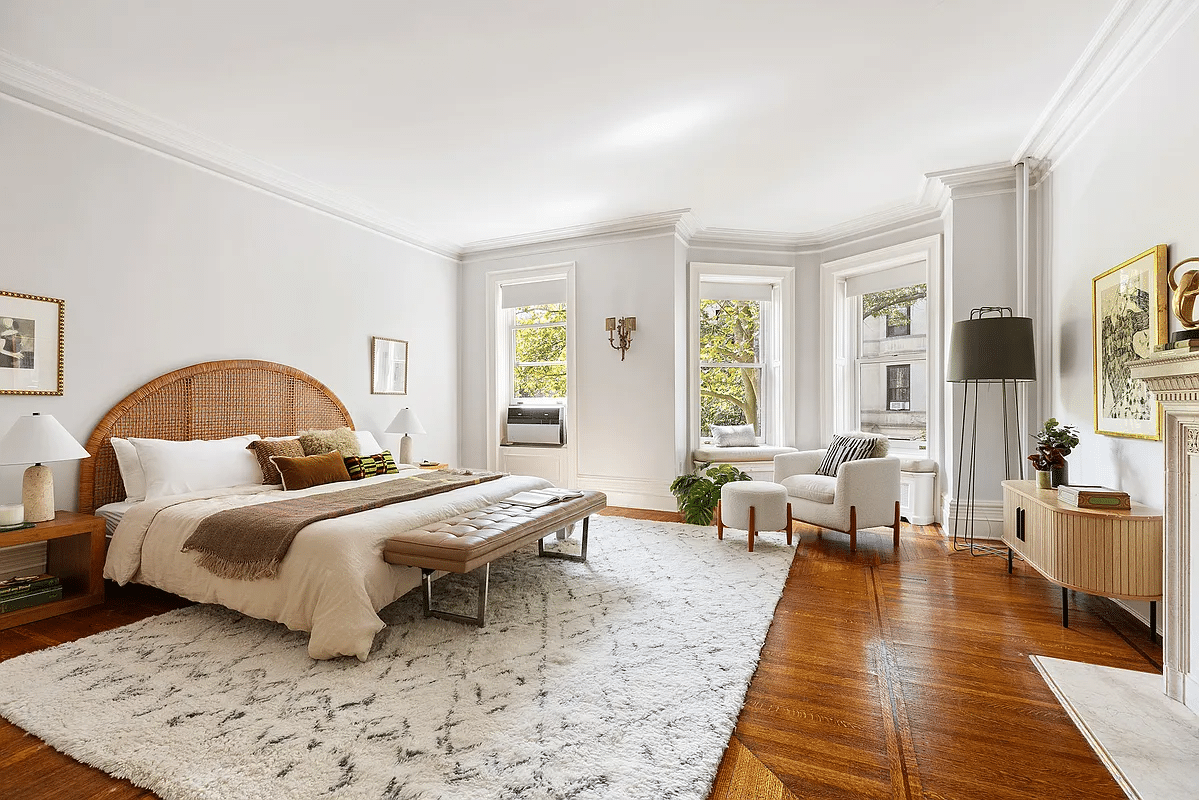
pixel 993 346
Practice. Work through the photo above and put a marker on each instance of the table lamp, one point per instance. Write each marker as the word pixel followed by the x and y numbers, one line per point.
pixel 35 439
pixel 405 422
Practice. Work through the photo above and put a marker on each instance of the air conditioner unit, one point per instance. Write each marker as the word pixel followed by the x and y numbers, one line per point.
pixel 536 425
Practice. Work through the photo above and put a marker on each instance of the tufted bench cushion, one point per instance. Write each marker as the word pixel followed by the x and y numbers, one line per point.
pixel 468 541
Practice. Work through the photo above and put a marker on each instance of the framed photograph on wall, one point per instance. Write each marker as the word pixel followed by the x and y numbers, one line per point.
pixel 1129 320
pixel 31 344
pixel 389 366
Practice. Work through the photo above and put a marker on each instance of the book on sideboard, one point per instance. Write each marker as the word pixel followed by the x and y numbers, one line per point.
pixel 1094 497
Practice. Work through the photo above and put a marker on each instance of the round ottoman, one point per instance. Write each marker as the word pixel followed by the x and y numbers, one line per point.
pixel 753 506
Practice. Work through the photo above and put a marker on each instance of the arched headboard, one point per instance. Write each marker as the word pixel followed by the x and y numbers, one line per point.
pixel 212 400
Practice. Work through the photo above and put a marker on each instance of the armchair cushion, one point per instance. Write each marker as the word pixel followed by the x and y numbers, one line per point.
pixel 817 488
pixel 844 448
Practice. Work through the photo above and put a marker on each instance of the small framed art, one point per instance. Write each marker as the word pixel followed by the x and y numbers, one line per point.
pixel 389 366
pixel 1129 320
pixel 31 344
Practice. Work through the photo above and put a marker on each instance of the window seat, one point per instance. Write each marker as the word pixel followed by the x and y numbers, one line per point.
pixel 758 462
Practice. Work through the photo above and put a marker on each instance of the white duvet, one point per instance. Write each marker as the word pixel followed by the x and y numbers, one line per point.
pixel 332 581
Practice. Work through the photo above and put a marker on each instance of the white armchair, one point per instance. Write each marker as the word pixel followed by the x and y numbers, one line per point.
pixel 864 494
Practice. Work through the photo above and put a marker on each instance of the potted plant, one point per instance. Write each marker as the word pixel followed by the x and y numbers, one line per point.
pixel 698 492
pixel 1054 443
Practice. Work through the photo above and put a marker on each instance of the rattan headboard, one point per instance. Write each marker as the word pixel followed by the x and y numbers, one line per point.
pixel 212 400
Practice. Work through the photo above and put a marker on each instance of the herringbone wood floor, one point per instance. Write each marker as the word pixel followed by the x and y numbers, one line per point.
pixel 886 674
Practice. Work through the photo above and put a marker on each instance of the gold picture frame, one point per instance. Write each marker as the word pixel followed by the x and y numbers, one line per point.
pixel 32 336
pixel 389 366
pixel 1129 321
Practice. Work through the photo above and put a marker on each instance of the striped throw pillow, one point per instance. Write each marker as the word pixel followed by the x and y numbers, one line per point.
pixel 844 448
pixel 361 467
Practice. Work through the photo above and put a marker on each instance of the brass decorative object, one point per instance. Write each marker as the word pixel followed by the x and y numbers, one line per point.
pixel 623 330
pixel 1186 295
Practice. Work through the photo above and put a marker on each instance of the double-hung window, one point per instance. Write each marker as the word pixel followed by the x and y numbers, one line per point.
pixel 539 352
pixel 892 362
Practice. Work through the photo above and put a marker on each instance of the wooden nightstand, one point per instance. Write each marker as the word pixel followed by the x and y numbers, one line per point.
pixel 74 553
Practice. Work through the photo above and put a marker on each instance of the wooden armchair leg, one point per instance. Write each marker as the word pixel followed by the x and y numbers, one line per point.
pixel 853 529
pixel 788 523
pixel 751 529
pixel 897 523
pixel 719 523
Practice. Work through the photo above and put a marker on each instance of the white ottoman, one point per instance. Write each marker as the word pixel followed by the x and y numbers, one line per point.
pixel 753 506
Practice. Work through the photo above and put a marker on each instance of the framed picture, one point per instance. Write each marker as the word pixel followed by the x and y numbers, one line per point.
pixel 1129 320
pixel 389 366
pixel 31 344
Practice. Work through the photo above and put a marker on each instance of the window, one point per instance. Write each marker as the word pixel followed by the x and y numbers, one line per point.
pixel 731 368
pixel 539 352
pixel 892 357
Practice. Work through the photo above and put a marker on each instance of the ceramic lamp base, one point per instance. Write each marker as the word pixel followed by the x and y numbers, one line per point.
pixel 405 449
pixel 37 493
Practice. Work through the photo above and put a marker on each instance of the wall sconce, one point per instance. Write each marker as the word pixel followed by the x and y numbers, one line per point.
pixel 623 328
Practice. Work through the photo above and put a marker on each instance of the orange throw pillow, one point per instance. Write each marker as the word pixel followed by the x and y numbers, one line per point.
pixel 307 471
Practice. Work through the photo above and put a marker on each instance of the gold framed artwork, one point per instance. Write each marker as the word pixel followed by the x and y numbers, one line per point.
pixel 1128 321
pixel 389 366
pixel 31 344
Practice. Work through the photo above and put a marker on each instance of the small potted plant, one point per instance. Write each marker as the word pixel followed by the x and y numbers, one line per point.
pixel 698 492
pixel 1054 443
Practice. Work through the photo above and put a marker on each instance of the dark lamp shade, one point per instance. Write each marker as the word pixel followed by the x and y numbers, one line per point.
pixel 992 349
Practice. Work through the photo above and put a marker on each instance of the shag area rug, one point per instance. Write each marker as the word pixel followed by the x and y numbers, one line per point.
pixel 617 678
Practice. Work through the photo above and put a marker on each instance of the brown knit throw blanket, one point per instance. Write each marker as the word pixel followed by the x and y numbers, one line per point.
pixel 248 543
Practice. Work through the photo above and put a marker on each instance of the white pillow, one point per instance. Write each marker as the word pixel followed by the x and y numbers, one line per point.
pixel 180 467
pixel 367 444
pixel 130 466
pixel 734 436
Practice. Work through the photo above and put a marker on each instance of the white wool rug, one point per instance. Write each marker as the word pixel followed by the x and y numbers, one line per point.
pixel 617 678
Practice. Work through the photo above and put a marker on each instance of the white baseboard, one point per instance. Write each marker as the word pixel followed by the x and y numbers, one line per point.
pixel 631 492
pixel 988 518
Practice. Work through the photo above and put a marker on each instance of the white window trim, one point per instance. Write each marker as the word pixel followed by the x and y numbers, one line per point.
pixel 838 345
pixel 499 357
pixel 778 352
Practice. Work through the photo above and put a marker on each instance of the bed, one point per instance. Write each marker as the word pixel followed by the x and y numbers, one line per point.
pixel 333 579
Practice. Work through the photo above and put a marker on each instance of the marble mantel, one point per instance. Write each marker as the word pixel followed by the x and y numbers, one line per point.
pixel 1173 377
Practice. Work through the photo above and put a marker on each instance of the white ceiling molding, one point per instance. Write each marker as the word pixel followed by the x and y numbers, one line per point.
pixel 1129 38
pixel 61 94
pixel 680 222
pixel 957 184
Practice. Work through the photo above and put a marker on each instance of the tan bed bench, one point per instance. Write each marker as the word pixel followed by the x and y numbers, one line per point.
pixel 475 539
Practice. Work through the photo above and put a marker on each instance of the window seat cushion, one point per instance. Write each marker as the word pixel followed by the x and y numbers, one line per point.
pixel 709 453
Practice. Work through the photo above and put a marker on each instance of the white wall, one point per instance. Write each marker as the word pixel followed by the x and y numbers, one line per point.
pixel 163 265
pixel 1130 183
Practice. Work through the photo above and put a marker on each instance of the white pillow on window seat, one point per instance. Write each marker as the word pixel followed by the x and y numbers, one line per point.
pixel 734 436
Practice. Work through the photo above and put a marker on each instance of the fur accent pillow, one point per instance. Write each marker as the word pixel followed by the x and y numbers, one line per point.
pixel 342 440
pixel 361 467
pixel 734 436
pixel 307 471
pixel 265 448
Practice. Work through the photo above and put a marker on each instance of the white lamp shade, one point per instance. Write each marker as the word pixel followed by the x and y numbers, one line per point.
pixel 38 438
pixel 405 422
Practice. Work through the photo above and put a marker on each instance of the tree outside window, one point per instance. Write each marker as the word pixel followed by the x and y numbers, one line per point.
pixel 539 351
pixel 731 364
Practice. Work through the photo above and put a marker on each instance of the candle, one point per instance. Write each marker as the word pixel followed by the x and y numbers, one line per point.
pixel 12 515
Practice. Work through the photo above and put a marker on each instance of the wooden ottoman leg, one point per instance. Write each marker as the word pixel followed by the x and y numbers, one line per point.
pixel 751 529
pixel 788 523
pixel 853 529
pixel 719 522
pixel 897 523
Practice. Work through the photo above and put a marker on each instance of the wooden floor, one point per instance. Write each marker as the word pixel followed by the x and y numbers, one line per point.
pixel 886 674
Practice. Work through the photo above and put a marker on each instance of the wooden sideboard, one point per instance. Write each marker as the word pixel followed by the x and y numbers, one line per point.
pixel 1104 552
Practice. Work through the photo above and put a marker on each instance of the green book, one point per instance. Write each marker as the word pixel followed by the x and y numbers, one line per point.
pixel 15 586
pixel 34 598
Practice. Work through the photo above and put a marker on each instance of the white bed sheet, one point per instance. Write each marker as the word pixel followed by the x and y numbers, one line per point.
pixel 332 581
pixel 113 512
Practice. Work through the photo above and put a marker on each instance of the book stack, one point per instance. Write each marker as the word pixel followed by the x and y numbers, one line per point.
pixel 1094 497
pixel 33 590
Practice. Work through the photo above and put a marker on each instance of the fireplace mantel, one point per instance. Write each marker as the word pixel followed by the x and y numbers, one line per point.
pixel 1173 377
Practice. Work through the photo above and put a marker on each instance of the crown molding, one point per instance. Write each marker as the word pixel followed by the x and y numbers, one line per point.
pixel 679 222
pixel 61 94
pixel 1129 38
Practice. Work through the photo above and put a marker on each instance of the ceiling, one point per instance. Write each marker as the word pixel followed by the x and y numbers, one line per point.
pixel 477 119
